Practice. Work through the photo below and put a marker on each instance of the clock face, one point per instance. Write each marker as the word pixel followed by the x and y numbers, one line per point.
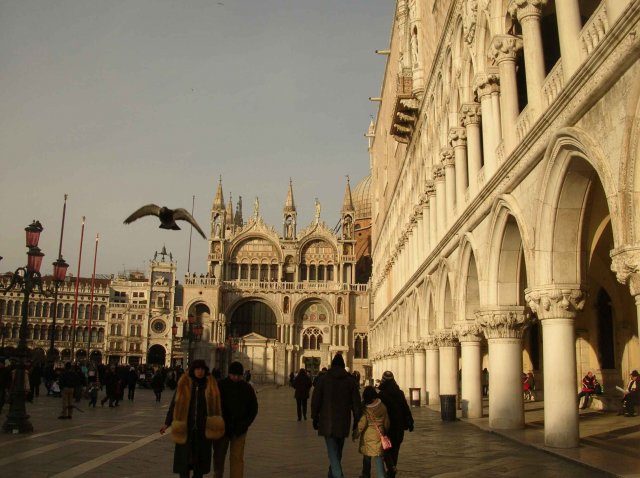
pixel 158 326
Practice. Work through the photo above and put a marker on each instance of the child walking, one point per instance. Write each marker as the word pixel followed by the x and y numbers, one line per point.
pixel 373 423
pixel 92 391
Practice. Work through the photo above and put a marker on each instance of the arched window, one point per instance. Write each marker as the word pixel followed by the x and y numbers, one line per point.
pixel 605 330
pixel 67 311
pixel 16 308
pixel 360 346
pixel 39 309
pixel 312 339
pixel 103 312
pixel 60 311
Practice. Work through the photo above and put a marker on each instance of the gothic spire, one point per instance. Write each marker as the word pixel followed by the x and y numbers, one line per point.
pixel 218 202
pixel 289 205
pixel 230 210
pixel 238 219
pixel 347 202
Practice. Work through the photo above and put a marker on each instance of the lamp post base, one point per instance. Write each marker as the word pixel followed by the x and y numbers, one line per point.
pixel 16 425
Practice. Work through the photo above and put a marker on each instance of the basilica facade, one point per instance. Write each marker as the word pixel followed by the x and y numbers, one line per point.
pixel 283 300
pixel 505 193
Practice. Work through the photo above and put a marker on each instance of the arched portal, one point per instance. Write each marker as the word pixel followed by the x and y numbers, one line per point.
pixel 253 317
pixel 156 355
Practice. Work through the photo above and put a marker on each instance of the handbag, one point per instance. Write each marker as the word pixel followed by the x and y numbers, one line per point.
pixel 384 439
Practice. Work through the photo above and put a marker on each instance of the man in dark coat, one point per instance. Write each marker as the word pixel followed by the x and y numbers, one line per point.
pixel 302 385
pixel 68 383
pixel 5 379
pixel 335 398
pixel 399 416
pixel 239 410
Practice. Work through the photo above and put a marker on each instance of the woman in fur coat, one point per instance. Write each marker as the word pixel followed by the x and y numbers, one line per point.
pixel 373 422
pixel 191 416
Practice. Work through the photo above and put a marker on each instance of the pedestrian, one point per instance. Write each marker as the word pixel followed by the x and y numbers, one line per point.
pixel 335 399
pixel 302 386
pixel 111 386
pixel 319 376
pixel 92 392
pixel 373 423
pixel 36 380
pixel 247 376
pixel 588 388
pixel 132 380
pixel 292 376
pixel 239 410
pixel 194 417
pixel 68 384
pixel 485 382
pixel 157 384
pixel 4 383
pixel 400 417
pixel 631 395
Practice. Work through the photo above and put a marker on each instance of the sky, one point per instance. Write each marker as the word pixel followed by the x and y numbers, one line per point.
pixel 123 103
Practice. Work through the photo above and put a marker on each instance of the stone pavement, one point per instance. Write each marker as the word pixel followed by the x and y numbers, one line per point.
pixel 124 442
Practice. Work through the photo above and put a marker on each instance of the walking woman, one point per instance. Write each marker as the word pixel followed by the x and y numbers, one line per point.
pixel 302 385
pixel 373 423
pixel 195 419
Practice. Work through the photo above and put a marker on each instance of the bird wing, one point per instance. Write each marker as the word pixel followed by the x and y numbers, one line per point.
pixel 148 210
pixel 183 215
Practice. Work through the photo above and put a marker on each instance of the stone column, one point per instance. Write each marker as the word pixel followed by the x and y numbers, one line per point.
pixel 448 349
pixel 448 163
pixel 419 371
pixel 503 327
pixel 401 369
pixel 470 337
pixel 433 372
pixel 426 237
pixel 458 140
pixel 528 13
pixel 556 307
pixel 431 194
pixel 504 50
pixel 441 204
pixel 470 114
pixel 569 27
pixel 484 88
pixel 626 264
pixel 496 125
pixel 409 369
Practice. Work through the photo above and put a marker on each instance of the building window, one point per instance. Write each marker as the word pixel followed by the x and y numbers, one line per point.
pixel 361 346
pixel 312 339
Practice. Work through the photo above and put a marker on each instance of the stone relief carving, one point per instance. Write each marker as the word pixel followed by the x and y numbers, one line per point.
pixel 503 322
pixel 468 332
pixel 469 20
pixel 555 301
pixel 625 262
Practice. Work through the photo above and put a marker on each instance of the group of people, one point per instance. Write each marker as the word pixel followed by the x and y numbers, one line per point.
pixel 630 394
pixel 207 418
pixel 383 415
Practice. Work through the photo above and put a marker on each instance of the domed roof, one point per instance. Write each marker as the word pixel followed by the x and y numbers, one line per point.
pixel 362 198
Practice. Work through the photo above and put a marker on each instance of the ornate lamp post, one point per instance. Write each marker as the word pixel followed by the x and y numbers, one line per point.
pixel 28 280
pixel 193 334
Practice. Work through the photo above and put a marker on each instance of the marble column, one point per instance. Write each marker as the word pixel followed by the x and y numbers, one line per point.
pixel 496 125
pixel 489 143
pixel 426 239
pixel 503 327
pixel 433 372
pixel 556 307
pixel 470 114
pixel 408 370
pixel 441 202
pixel 569 27
pixel 448 163
pixel 419 372
pixel 458 141
pixel 470 338
pixel 401 369
pixel 433 205
pixel 625 262
pixel 529 13
pixel 504 50
pixel 448 351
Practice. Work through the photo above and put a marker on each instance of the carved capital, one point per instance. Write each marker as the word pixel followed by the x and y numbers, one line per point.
pixel 470 113
pixel 505 48
pixel 523 9
pixel 557 301
pixel 438 173
pixel 447 157
pixel 486 83
pixel 458 137
pixel 430 188
pixel 445 338
pixel 625 262
pixel 502 322
pixel 468 331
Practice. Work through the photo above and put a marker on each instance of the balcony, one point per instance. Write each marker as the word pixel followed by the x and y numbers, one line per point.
pixel 594 30
pixel 292 286
pixel 405 111
pixel 201 281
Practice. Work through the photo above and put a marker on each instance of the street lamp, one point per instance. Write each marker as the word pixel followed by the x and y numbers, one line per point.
pixel 174 332
pixel 28 280
pixel 193 333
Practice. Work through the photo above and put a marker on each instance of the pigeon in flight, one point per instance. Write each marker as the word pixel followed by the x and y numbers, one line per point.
pixel 168 217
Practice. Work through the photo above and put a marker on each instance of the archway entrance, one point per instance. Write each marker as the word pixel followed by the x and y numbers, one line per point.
pixel 156 355
pixel 253 317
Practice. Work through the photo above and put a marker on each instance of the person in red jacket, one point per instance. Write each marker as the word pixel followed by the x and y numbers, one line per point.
pixel 589 384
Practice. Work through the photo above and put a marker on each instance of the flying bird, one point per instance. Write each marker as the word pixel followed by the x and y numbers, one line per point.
pixel 168 217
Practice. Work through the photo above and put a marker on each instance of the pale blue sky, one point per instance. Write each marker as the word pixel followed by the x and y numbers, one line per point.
pixel 122 103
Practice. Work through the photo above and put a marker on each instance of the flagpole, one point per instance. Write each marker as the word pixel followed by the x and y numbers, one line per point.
pixel 75 301
pixel 93 279
pixel 54 312
pixel 193 202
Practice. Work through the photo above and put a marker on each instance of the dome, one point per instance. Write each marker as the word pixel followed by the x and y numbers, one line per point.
pixel 362 198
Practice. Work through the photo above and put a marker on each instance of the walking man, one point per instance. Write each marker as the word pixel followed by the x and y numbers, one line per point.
pixel 239 409
pixel 335 399
pixel 68 383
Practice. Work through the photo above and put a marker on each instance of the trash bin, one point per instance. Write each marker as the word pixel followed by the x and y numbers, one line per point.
pixel 448 408
pixel 414 397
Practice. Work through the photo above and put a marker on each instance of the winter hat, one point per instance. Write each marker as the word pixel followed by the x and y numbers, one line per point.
pixel 387 376
pixel 338 361
pixel 199 363
pixel 236 368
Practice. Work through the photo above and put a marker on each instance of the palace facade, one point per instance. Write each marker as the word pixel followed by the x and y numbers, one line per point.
pixel 505 195
pixel 281 300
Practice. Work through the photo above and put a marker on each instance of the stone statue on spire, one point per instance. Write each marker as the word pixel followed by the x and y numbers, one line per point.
pixel 318 208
